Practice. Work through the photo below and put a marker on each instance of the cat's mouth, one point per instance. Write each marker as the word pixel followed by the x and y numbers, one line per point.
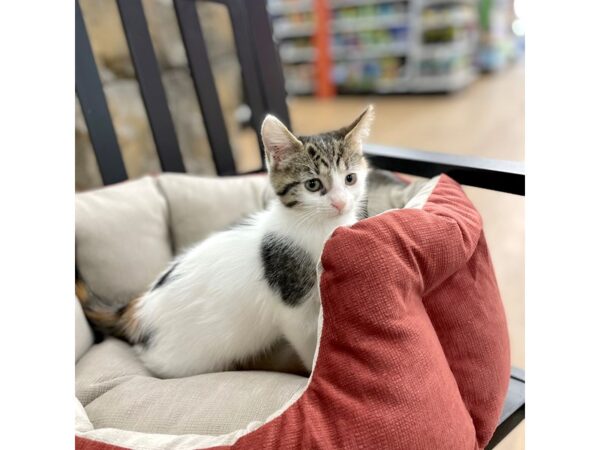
pixel 334 212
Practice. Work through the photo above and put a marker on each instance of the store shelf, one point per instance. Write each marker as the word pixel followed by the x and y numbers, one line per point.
pixel 396 86
pixel 281 7
pixel 339 4
pixel 374 48
pixel 283 29
pixel 371 51
pixel 499 43
pixel 444 83
pixel 291 54
pixel 460 19
pixel 299 87
pixel 368 23
pixel 446 2
pixel 445 50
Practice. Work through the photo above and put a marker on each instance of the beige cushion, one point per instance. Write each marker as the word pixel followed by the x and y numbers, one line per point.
pixel 117 392
pixel 199 206
pixel 121 238
pixel 105 366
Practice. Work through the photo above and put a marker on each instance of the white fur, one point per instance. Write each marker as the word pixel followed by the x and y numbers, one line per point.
pixel 216 308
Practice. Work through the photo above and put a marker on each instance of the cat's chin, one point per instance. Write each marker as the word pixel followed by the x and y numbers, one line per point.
pixel 343 218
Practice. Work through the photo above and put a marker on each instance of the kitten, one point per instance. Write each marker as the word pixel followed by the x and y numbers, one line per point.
pixel 234 294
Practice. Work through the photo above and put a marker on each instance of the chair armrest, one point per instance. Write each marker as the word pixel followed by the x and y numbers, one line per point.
pixel 514 408
pixel 495 174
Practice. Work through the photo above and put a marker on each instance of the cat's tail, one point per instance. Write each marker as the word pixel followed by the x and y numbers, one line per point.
pixel 109 319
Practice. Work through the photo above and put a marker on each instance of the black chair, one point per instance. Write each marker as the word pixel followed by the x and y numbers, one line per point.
pixel 264 92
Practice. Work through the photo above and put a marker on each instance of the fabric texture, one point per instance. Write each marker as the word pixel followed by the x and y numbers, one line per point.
pixel 117 391
pixel 413 350
pixel 105 366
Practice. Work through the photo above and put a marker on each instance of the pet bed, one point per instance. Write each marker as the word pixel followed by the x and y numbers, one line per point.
pixel 413 350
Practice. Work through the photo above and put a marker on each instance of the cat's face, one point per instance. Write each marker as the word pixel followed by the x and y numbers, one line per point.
pixel 322 175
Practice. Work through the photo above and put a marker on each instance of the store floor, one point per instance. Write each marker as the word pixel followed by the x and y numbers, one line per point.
pixel 486 119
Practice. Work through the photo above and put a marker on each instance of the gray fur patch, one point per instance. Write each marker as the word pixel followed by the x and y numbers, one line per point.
pixel 288 268
pixel 145 340
pixel 379 183
pixel 377 178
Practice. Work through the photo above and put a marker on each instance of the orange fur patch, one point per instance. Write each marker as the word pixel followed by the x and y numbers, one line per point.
pixel 102 318
pixel 129 323
pixel 120 323
pixel 81 292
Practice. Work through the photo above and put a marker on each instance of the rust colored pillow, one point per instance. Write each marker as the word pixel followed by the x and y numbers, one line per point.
pixel 414 350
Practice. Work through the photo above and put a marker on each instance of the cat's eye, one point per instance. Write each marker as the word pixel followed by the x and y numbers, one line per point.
pixel 350 179
pixel 313 185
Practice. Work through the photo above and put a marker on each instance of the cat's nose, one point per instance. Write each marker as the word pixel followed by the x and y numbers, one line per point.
pixel 338 204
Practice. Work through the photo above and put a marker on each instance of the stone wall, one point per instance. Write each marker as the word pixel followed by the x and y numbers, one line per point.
pixel 123 96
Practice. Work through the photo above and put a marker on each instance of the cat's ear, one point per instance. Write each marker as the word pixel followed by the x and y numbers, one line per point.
pixel 278 141
pixel 359 130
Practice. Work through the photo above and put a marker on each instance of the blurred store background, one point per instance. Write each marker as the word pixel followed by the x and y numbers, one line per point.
pixel 443 75
pixel 460 62
pixel 393 46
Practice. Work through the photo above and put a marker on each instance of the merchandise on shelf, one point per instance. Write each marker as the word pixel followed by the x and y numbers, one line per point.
pixel 498 42
pixel 360 76
pixel 380 46
pixel 439 66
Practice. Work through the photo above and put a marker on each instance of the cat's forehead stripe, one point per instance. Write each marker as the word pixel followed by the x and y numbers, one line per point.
pixel 324 150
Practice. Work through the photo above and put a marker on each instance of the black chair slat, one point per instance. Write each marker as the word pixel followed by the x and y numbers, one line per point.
pixel 204 83
pixel 151 87
pixel 270 69
pixel 94 107
pixel 238 13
